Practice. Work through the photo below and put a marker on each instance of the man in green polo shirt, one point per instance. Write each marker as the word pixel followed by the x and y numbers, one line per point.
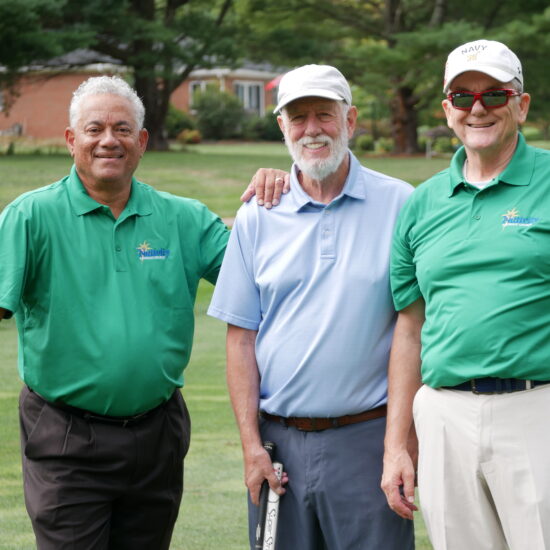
pixel 470 276
pixel 101 272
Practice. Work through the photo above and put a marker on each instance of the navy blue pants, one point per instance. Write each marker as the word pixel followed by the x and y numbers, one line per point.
pixel 333 499
pixel 96 486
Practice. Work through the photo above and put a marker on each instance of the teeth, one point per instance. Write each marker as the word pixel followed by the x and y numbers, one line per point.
pixel 314 145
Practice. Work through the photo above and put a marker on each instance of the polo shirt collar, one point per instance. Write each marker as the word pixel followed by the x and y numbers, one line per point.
pixel 352 186
pixel 518 172
pixel 82 203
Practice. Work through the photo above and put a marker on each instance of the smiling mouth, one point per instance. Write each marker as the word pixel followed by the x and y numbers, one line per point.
pixel 486 125
pixel 314 146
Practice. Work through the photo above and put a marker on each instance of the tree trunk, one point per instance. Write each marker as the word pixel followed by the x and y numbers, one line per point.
pixel 404 121
pixel 156 108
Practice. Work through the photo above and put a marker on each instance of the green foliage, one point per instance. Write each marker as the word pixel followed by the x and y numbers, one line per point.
pixel 398 48
pixel 443 145
pixel 531 133
pixel 189 136
pixel 263 128
pixel 160 42
pixel 220 115
pixel 383 145
pixel 364 142
pixel 177 120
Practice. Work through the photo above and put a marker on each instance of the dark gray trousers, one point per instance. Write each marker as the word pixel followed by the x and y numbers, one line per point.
pixel 96 486
pixel 333 499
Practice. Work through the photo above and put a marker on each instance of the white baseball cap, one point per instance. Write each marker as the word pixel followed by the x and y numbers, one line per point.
pixel 486 56
pixel 313 81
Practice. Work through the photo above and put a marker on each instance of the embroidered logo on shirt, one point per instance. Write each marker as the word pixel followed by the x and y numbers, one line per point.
pixel 145 252
pixel 512 218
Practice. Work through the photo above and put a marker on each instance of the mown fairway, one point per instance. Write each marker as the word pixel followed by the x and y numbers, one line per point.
pixel 213 512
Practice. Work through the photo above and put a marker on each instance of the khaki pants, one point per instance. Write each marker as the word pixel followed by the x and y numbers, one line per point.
pixel 484 468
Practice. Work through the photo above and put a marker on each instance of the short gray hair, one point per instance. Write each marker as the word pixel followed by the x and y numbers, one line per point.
pixel 106 85
pixel 515 85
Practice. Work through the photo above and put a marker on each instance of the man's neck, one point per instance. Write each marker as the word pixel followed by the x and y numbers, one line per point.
pixel 487 165
pixel 326 190
pixel 115 197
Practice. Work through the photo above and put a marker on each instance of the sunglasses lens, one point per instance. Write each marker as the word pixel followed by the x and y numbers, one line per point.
pixel 463 100
pixel 495 98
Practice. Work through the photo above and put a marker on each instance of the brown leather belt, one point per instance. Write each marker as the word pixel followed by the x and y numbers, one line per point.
pixel 320 424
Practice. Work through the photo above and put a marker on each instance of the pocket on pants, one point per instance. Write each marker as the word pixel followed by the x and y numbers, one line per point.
pixel 180 423
pixel 46 432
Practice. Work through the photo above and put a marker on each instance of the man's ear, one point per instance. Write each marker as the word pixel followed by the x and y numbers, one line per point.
pixel 69 140
pixel 351 120
pixel 143 139
pixel 447 107
pixel 281 123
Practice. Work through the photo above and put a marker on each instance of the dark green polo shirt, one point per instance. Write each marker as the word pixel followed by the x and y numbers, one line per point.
pixel 104 307
pixel 481 260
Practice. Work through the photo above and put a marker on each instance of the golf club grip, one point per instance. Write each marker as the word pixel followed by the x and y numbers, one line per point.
pixel 269 446
pixel 272 513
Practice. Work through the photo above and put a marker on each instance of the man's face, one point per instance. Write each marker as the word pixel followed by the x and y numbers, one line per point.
pixel 106 142
pixel 481 129
pixel 317 134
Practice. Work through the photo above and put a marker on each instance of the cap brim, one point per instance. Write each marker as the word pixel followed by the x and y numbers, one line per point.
pixel 498 74
pixel 314 92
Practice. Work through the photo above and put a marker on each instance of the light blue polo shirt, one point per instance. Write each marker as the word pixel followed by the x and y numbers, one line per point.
pixel 313 280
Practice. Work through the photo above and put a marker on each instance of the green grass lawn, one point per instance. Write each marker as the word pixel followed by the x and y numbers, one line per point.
pixel 213 512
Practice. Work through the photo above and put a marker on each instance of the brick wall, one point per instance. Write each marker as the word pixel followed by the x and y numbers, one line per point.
pixel 42 107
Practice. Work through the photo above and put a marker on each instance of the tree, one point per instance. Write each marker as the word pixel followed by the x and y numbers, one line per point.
pixel 160 41
pixel 23 39
pixel 396 49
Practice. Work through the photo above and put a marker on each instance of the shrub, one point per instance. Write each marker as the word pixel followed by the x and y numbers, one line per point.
pixel 531 133
pixel 443 145
pixel 383 145
pixel 176 121
pixel 263 128
pixel 220 115
pixel 189 136
pixel 364 142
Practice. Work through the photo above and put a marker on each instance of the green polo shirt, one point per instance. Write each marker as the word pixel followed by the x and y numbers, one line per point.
pixel 481 260
pixel 104 307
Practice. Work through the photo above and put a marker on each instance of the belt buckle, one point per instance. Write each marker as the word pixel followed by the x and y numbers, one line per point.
pixel 474 387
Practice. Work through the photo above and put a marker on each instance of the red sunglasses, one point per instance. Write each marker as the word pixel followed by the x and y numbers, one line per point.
pixel 490 99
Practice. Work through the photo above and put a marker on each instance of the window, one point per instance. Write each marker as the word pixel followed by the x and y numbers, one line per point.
pixel 195 86
pixel 251 96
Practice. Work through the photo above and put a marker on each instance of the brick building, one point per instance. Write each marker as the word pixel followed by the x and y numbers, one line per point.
pixel 41 109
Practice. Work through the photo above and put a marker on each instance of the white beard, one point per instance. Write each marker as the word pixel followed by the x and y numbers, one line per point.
pixel 319 169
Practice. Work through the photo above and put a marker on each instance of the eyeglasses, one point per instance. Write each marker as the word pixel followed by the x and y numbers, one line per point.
pixel 490 99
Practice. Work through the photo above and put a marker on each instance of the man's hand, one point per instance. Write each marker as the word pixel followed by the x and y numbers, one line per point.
pixel 267 184
pixel 257 467
pixel 398 481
